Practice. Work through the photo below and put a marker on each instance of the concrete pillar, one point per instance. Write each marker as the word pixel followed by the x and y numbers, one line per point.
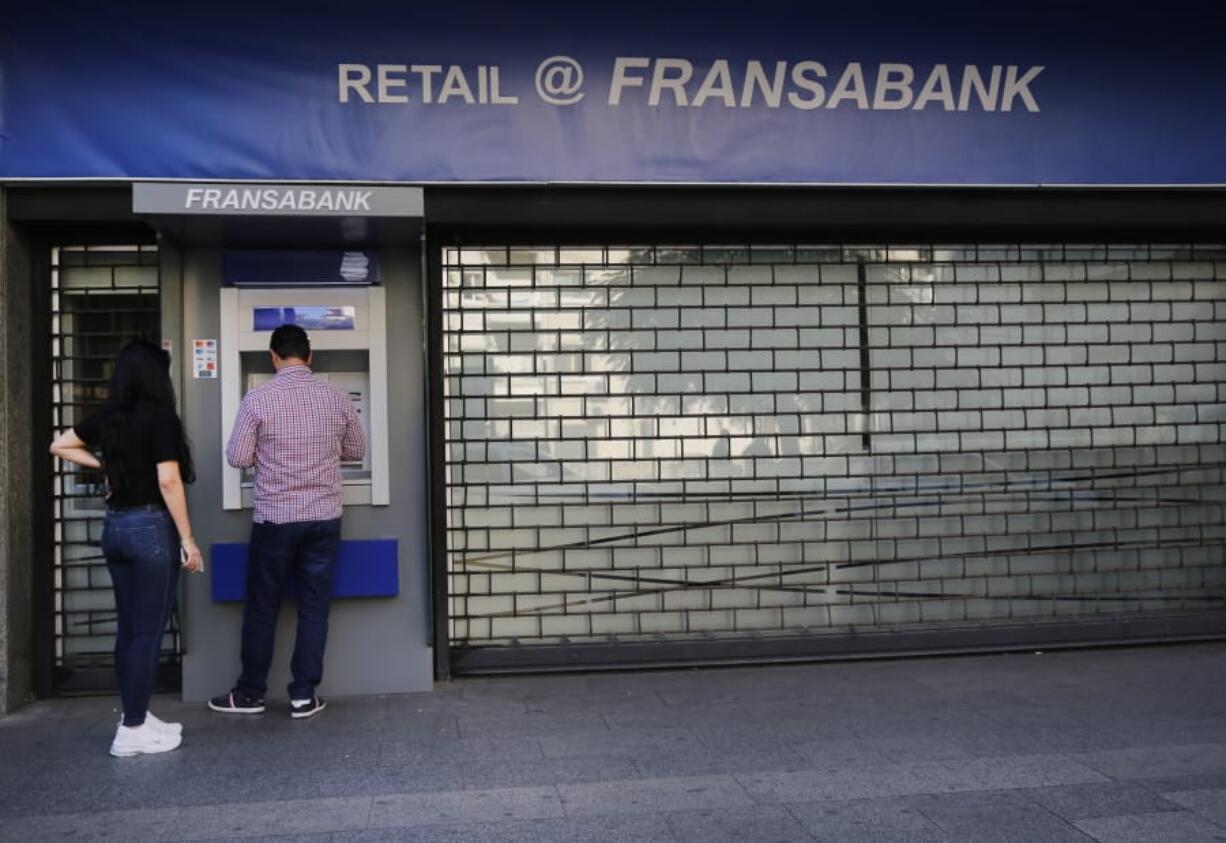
pixel 16 506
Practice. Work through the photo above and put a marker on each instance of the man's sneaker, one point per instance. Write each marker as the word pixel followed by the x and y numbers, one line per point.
pixel 236 702
pixel 143 740
pixel 301 709
pixel 158 724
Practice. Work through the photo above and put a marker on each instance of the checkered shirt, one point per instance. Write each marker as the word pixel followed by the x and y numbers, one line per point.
pixel 295 431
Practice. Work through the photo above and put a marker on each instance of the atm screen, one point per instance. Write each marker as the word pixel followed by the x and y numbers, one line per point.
pixel 308 317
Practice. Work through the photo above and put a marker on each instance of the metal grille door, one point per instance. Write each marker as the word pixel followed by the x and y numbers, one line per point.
pixel 101 297
pixel 668 443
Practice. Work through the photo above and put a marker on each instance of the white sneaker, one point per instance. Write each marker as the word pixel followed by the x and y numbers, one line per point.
pixel 159 724
pixel 162 725
pixel 142 740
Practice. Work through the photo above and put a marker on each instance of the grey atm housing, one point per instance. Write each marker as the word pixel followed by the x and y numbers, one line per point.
pixel 378 644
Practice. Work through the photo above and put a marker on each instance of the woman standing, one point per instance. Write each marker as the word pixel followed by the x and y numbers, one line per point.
pixel 147 534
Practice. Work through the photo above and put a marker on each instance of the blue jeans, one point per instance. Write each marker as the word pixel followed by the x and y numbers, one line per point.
pixel 307 552
pixel 141 546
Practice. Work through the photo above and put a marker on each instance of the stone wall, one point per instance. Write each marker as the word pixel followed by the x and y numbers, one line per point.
pixel 16 510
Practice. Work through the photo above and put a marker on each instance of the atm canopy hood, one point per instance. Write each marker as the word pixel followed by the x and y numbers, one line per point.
pixel 281 214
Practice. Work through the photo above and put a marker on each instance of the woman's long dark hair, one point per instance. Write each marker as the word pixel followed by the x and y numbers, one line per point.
pixel 141 376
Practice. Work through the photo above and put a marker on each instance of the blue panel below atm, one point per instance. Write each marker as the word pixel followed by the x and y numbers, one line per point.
pixel 364 568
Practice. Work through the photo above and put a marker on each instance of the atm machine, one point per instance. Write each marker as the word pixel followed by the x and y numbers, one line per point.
pixel 343 270
pixel 232 300
pixel 349 350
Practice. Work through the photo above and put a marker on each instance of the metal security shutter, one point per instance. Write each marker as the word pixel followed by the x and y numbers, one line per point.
pixel 663 444
pixel 101 297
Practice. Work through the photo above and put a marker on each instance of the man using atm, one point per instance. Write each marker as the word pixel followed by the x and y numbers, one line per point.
pixel 295 431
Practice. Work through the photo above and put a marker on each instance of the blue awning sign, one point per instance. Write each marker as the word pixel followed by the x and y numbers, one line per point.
pixel 898 93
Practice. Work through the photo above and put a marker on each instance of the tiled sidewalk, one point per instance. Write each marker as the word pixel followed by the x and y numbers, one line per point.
pixel 1110 745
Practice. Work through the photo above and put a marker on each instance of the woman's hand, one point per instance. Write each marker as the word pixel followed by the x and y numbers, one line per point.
pixel 193 559
pixel 69 446
pixel 170 482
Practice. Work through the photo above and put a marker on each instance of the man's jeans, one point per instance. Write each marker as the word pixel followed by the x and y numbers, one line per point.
pixel 141 547
pixel 307 552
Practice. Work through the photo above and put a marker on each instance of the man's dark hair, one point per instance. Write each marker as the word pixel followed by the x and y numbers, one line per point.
pixel 290 341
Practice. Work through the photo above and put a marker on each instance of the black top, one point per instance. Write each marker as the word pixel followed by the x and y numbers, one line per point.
pixel 150 437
